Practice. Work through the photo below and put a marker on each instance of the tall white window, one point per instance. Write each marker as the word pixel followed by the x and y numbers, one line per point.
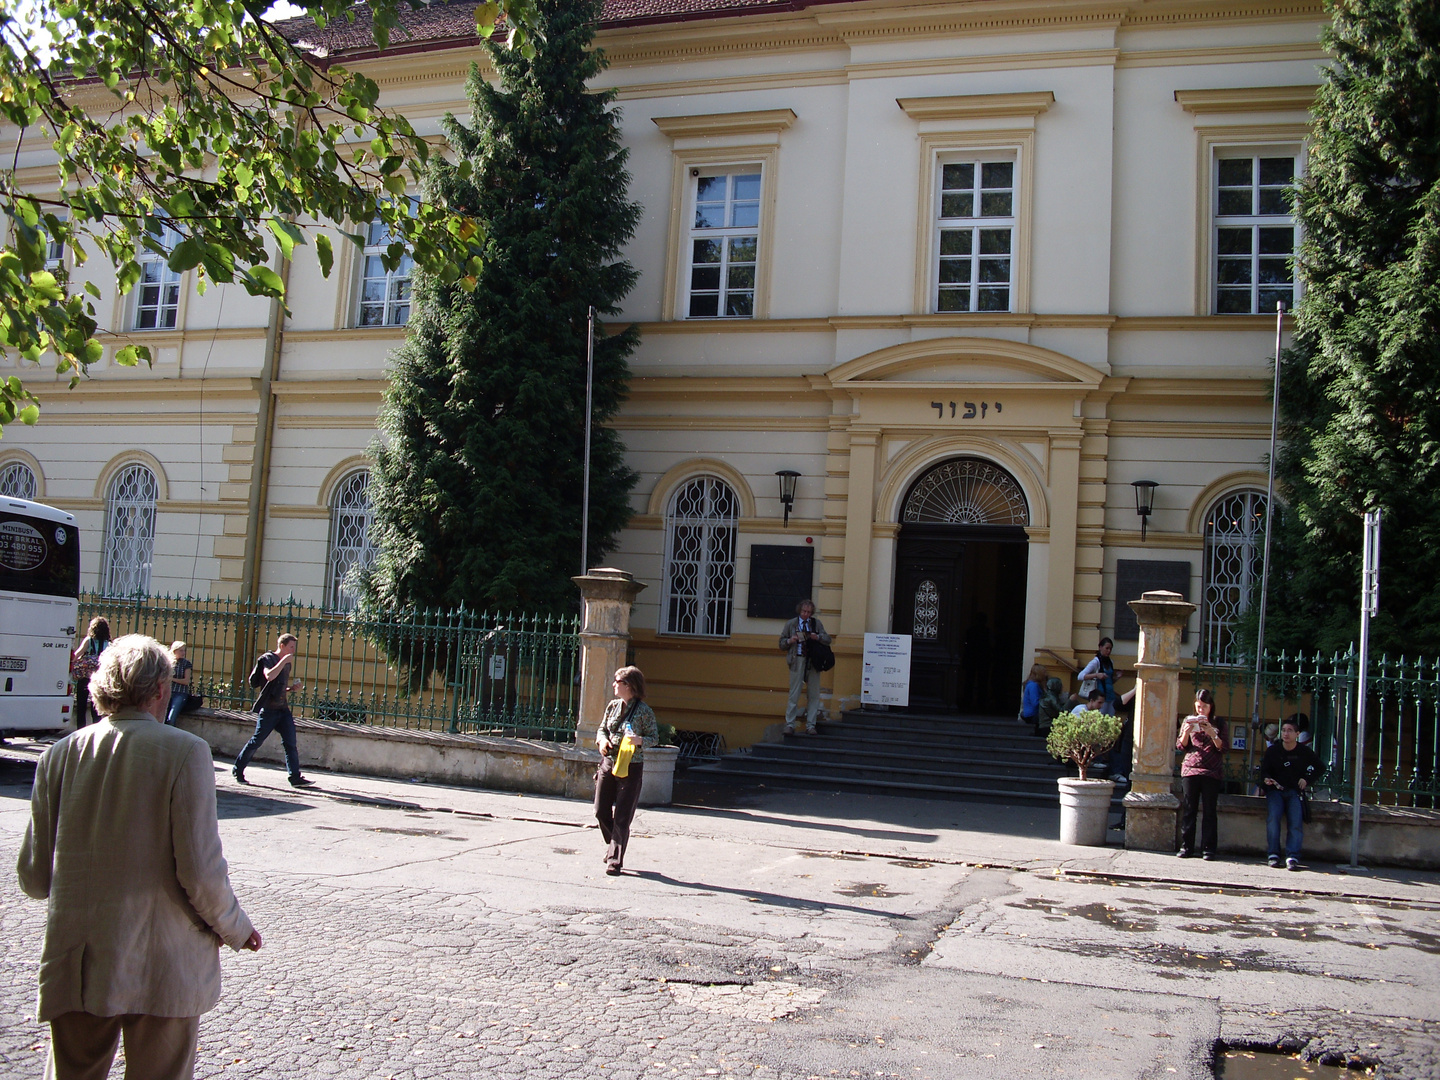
pixel 1234 537
pixel 54 252
pixel 17 481
pixel 129 532
pixel 351 551
pixel 384 294
pixel 700 530
pixel 157 304
pixel 976 222
pixel 1255 234
pixel 724 244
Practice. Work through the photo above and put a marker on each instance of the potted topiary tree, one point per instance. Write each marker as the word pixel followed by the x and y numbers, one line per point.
pixel 1084 803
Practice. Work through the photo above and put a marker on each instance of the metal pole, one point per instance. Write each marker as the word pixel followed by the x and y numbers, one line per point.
pixel 1369 605
pixel 589 395
pixel 1265 561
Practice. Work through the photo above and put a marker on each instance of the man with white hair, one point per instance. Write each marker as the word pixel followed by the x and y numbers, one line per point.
pixel 124 844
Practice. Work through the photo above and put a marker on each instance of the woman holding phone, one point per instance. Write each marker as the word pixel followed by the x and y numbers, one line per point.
pixel 1201 773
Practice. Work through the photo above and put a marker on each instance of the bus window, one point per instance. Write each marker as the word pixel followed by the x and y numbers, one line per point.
pixel 38 555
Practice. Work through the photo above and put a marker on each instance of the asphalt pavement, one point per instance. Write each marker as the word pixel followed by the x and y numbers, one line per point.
pixel 417 930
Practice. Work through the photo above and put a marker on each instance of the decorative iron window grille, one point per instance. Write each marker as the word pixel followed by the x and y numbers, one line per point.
pixel 352 551
pixel 1234 535
pixel 700 531
pixel 927 611
pixel 966 491
pixel 129 533
pixel 17 481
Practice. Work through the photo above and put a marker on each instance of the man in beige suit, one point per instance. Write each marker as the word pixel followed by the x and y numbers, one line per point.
pixel 124 845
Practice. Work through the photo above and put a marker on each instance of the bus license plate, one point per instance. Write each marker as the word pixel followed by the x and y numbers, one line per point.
pixel 13 663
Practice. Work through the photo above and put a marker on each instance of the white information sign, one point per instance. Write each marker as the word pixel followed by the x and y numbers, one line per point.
pixel 885 679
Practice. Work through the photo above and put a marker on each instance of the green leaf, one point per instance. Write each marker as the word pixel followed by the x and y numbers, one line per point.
pixel 29 415
pixel 187 254
pixel 129 356
pixel 262 281
pixel 325 253
pixel 287 235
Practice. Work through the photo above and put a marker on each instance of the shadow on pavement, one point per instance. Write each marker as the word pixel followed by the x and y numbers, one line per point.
pixel 245 804
pixel 759 896
pixel 17 776
pixel 922 819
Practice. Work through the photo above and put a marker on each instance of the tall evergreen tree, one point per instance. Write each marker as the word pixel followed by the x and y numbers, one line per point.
pixel 1360 390
pixel 479 475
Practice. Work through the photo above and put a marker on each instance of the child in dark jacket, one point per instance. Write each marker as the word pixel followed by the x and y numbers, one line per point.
pixel 1288 769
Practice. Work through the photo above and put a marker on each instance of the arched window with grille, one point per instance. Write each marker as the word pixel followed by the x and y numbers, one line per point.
pixel 1234 542
pixel 352 551
pixel 129 532
pixel 700 530
pixel 17 481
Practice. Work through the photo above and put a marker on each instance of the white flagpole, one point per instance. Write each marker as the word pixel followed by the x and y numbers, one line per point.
pixel 1369 605
pixel 589 395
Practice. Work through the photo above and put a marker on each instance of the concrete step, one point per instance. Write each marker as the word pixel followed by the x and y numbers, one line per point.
pixel 883 755
pixel 861 785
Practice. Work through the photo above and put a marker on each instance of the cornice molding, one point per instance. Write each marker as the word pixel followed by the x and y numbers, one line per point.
pixel 759 122
pixel 977 106
pixel 1247 99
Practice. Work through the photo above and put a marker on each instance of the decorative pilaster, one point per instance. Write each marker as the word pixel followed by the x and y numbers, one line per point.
pixel 1151 809
pixel 607 595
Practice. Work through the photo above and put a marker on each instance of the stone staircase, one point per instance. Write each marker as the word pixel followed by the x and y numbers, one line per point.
pixel 925 755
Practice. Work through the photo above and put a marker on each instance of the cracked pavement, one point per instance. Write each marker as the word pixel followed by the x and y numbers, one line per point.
pixel 417 931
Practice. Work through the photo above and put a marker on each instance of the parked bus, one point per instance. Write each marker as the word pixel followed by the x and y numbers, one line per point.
pixel 39 599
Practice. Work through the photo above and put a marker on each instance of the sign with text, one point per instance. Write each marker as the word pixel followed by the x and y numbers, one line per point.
pixel 885 679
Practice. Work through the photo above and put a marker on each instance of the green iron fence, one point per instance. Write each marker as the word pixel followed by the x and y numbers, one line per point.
pixel 483 673
pixel 1401 760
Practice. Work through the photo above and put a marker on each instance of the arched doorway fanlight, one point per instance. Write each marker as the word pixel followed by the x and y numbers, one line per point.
pixel 966 491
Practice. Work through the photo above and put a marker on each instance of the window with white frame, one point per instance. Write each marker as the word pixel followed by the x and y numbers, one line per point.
pixel 157 304
pixel 17 481
pixel 352 552
pixel 700 531
pixel 1234 537
pixel 1255 233
pixel 724 243
pixel 129 532
pixel 976 222
pixel 54 252
pixel 384 294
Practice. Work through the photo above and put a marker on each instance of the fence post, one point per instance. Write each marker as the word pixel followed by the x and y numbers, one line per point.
pixel 604 640
pixel 1151 809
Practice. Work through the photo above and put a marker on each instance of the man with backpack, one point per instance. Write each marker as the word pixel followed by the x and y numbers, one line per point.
pixel 271 676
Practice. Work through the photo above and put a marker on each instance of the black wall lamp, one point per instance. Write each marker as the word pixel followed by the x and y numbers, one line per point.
pixel 1144 502
pixel 787 490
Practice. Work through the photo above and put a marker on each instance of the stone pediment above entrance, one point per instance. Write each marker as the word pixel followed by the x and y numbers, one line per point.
pixel 966 360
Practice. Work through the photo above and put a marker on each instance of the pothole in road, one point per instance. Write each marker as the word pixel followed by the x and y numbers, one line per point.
pixel 868 888
pixel 760 1002
pixel 1270 1065
pixel 439 834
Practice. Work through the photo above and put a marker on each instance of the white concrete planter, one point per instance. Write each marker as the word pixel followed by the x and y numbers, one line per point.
pixel 657 784
pixel 1084 810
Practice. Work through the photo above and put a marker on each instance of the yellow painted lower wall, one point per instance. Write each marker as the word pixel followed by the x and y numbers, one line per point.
pixel 736 686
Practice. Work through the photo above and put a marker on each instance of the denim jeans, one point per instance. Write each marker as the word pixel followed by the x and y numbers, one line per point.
pixel 177 702
pixel 276 718
pixel 1285 804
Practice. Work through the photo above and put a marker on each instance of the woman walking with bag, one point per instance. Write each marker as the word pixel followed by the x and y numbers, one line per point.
pixel 627 728
pixel 83 662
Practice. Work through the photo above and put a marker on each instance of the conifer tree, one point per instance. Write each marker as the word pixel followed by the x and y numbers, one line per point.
pixel 479 466
pixel 1360 392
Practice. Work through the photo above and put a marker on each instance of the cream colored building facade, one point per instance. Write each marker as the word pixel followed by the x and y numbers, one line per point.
pixel 993 239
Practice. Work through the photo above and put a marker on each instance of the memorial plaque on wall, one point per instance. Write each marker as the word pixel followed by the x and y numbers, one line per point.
pixel 1134 578
pixel 780 577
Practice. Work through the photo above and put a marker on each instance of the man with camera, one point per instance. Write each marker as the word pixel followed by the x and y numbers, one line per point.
pixel 797 640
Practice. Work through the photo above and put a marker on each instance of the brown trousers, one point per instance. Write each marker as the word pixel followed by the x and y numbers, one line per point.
pixel 82 1047
pixel 615 802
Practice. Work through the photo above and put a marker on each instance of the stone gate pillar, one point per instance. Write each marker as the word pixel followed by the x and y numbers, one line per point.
pixel 1151 809
pixel 607 595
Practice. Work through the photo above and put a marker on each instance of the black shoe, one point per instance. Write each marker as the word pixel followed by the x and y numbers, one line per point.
pixel 1274 861
pixel 300 781
pixel 1184 853
pixel 613 871
pixel 239 775
pixel 1207 855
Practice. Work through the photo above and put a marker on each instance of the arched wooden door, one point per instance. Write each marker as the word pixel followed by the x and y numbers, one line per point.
pixel 960 578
